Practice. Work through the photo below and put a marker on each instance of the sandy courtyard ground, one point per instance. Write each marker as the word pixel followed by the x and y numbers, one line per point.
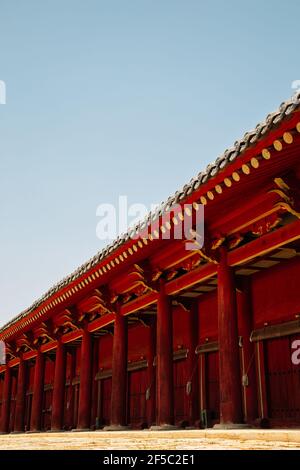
pixel 166 440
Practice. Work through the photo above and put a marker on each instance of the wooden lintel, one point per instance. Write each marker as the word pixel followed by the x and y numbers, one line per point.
pixel 139 303
pixel 276 331
pixel 101 322
pixel 265 244
pixel 71 336
pixel 207 347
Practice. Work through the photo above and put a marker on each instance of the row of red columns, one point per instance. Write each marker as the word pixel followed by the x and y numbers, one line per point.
pixel 160 406
pixel 58 391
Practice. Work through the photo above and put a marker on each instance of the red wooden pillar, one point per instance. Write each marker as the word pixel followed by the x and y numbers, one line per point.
pixel 151 395
pixel 248 355
pixel 84 406
pixel 59 388
pixel 20 399
pixel 164 377
pixel 119 374
pixel 5 410
pixel 69 414
pixel 38 389
pixel 229 367
pixel 94 407
pixel 192 365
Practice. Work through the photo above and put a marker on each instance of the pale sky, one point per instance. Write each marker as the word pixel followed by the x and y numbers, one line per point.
pixel 109 98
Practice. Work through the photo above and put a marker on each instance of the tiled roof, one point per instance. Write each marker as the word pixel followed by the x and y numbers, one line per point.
pixel 250 138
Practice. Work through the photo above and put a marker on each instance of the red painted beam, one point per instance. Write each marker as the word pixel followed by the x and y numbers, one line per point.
pixel 265 244
pixel 189 279
pixel 29 355
pixel 14 362
pixel 48 346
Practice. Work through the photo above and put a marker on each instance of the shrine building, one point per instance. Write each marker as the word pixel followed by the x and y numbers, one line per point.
pixel 148 333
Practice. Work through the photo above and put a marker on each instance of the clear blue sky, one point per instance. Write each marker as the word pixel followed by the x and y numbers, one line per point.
pixel 121 97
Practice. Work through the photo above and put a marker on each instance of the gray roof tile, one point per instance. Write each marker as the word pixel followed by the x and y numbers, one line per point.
pixel 229 155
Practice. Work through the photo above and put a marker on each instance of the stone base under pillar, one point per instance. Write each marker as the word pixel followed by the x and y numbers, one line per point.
pixel 232 426
pixel 115 427
pixel 33 432
pixel 81 430
pixel 164 427
pixel 17 432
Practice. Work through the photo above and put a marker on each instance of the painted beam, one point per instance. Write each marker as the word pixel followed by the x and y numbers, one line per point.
pixel 265 244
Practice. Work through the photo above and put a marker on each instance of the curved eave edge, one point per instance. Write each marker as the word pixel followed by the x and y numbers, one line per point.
pixel 250 139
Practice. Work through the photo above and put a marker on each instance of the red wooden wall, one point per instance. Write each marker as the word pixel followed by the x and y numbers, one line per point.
pixel 275 294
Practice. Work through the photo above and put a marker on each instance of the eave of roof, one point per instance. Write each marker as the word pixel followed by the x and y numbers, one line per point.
pixel 249 139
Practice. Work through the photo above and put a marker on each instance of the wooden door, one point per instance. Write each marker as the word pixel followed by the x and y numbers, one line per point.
pixel 282 380
pixel 212 385
pixel 137 386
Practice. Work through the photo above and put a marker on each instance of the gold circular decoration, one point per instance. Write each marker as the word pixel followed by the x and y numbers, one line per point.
pixel 277 145
pixel 145 241
pixel 121 258
pixel 156 234
pixel 228 182
pixel 180 216
pixel 130 251
pixel 203 200
pixel 140 244
pixel 218 189
pixel 298 126
pixel 168 225
pixel 188 211
pixel 135 248
pixel 117 260
pixel 150 237
pixel 195 206
pixel 236 176
pixel 210 195
pixel 125 254
pixel 288 138
pixel 163 230
pixel 175 221
pixel 245 169
pixel 254 162
pixel 266 154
